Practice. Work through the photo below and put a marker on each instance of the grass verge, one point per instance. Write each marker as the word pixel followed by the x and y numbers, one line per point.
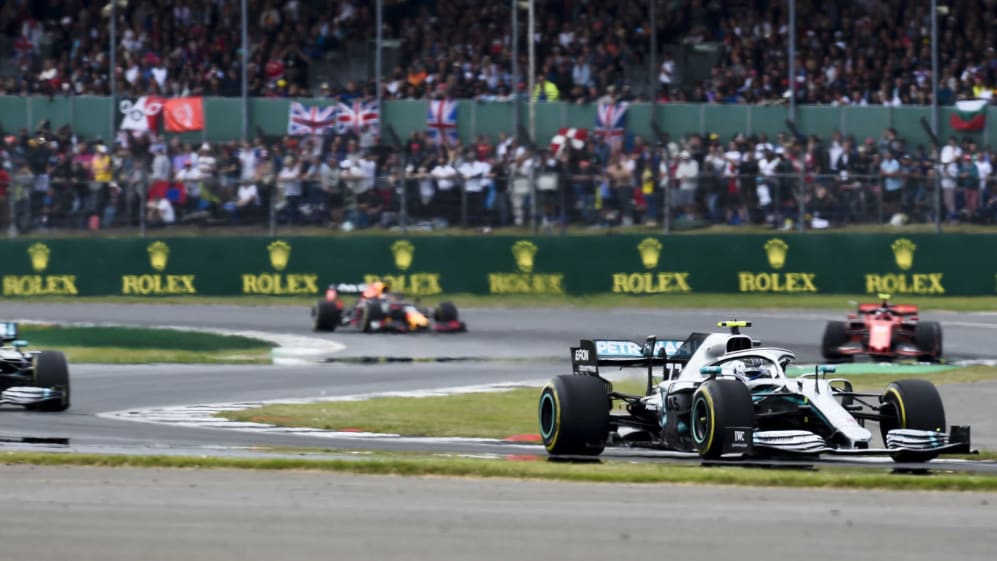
pixel 603 472
pixel 133 345
pixel 839 302
pixel 505 414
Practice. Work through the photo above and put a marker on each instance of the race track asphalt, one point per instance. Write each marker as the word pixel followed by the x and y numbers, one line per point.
pixel 57 513
pixel 520 345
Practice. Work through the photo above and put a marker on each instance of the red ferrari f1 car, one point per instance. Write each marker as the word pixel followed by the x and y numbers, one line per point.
pixel 883 331
pixel 380 310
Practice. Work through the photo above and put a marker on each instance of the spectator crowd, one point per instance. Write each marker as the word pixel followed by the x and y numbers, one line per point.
pixel 54 179
pixel 848 53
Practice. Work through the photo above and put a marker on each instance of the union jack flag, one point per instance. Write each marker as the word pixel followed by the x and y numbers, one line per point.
pixel 610 121
pixel 302 119
pixel 442 121
pixel 356 115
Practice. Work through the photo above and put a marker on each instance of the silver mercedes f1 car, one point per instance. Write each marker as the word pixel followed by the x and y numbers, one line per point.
pixel 36 380
pixel 723 393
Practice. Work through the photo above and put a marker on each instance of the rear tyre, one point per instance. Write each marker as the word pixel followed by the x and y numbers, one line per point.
pixel 52 371
pixel 716 406
pixel 928 338
pixel 835 335
pixel 574 415
pixel 326 316
pixel 911 404
pixel 445 312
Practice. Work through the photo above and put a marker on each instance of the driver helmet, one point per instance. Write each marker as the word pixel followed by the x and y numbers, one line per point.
pixel 734 368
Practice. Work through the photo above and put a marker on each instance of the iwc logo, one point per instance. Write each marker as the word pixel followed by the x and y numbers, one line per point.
pixel 158 284
pixel 279 283
pixel 417 284
pixel 776 253
pixel 904 283
pixel 39 284
pixel 526 281
pixel 649 282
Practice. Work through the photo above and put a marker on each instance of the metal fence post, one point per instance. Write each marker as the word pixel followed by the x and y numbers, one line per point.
pixel 533 197
pixel 463 202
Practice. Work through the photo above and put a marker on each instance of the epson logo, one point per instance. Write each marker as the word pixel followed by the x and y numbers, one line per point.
pixel 581 355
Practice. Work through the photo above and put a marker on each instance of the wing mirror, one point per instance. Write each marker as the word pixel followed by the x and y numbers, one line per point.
pixel 710 370
pixel 20 343
pixel 826 369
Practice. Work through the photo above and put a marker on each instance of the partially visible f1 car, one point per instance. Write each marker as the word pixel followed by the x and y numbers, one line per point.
pixel 379 310
pixel 723 393
pixel 883 331
pixel 36 380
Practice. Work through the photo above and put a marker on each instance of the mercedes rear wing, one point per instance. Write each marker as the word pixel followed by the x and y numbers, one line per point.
pixel 590 354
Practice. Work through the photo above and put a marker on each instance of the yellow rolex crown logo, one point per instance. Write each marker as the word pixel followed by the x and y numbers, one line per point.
pixel 650 252
pixel 280 254
pixel 523 251
pixel 159 253
pixel 404 251
pixel 903 252
pixel 775 250
pixel 39 253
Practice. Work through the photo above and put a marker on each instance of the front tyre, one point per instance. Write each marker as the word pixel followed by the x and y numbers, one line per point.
pixel 326 316
pixel 928 338
pixel 51 370
pixel 717 405
pixel 835 335
pixel 911 404
pixel 445 312
pixel 574 415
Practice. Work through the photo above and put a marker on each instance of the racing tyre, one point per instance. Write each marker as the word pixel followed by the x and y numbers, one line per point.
pixel 52 371
pixel 371 312
pixel 574 415
pixel 716 406
pixel 835 335
pixel 445 312
pixel 326 316
pixel 911 404
pixel 928 338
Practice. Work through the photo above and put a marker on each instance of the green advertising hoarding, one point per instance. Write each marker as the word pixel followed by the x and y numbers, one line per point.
pixel 957 264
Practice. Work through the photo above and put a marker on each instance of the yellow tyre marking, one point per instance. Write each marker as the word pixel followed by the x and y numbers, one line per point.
pixel 713 424
pixel 557 418
pixel 900 404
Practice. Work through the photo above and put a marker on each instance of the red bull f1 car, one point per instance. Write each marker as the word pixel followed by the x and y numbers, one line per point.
pixel 35 380
pixel 883 331
pixel 723 393
pixel 377 309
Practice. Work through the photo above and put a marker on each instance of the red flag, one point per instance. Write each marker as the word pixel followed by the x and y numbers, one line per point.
pixel 183 114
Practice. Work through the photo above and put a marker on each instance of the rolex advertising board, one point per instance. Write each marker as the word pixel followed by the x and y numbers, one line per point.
pixel 775 263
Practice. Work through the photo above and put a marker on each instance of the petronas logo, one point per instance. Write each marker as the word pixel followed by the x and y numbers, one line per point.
pixel 523 251
pixel 404 252
pixel 39 253
pixel 159 254
pixel 280 254
pixel 903 253
pixel 775 251
pixel 650 252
